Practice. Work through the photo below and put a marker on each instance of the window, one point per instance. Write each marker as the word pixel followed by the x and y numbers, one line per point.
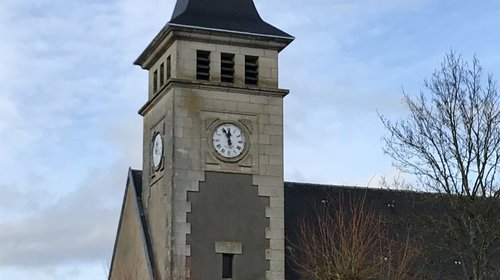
pixel 251 70
pixel 227 67
pixel 227 266
pixel 155 81
pixel 168 68
pixel 162 74
pixel 203 65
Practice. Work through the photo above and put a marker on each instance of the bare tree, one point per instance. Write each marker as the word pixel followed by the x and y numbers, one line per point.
pixel 350 242
pixel 451 142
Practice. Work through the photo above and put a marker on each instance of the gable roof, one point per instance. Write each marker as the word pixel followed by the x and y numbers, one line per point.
pixel 238 16
pixel 134 189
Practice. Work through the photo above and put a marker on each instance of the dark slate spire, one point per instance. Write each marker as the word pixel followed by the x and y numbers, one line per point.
pixel 226 15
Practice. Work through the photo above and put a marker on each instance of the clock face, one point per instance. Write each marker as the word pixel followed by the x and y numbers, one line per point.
pixel 228 140
pixel 157 150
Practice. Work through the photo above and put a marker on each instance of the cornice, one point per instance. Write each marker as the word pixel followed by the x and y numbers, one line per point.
pixel 188 84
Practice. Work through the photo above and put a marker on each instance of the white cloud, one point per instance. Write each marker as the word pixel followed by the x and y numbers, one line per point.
pixel 79 227
pixel 86 271
pixel 69 96
pixel 68 101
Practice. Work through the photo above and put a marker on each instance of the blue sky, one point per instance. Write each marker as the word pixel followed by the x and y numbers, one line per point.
pixel 69 96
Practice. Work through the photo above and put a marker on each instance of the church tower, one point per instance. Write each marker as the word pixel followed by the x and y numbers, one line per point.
pixel 210 202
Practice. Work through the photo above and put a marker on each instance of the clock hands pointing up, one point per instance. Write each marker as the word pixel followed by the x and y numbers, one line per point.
pixel 228 140
pixel 228 135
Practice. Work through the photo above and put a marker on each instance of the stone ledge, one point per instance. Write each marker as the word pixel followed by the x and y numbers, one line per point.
pixel 226 247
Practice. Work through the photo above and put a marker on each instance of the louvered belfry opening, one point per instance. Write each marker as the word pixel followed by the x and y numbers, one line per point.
pixel 227 67
pixel 169 67
pixel 203 65
pixel 251 70
pixel 162 74
pixel 155 81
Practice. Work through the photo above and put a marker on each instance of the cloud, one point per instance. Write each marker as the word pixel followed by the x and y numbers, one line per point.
pixel 68 130
pixel 69 96
pixel 85 271
pixel 78 227
pixel 67 79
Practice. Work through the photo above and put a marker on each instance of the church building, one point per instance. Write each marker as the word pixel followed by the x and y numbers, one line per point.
pixel 210 202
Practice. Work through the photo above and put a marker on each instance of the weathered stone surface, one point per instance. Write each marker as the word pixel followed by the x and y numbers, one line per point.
pixel 184 111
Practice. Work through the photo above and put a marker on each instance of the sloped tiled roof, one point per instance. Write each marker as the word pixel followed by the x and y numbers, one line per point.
pixel 403 212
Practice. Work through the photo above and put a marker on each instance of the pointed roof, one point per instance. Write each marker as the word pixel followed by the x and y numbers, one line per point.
pixel 239 16
pixel 132 208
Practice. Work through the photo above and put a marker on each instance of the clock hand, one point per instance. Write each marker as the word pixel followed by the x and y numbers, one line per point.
pixel 229 137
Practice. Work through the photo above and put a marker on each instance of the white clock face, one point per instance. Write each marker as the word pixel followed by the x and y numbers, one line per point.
pixel 228 140
pixel 157 150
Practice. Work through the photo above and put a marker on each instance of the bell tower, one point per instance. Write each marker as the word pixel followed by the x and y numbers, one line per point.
pixel 212 181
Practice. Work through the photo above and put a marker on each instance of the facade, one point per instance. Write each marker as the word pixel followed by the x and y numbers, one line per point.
pixel 209 202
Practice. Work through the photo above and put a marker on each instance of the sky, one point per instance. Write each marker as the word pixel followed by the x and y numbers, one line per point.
pixel 69 96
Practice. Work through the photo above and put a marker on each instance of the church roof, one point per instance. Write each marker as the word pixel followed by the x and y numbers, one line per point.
pixel 238 16
pixel 401 210
pixel 132 204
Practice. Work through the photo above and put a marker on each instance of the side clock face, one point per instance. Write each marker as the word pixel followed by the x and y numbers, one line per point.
pixel 228 140
pixel 157 150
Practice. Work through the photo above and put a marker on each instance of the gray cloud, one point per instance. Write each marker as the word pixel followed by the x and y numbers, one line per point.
pixel 78 227
pixel 69 96
pixel 68 129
